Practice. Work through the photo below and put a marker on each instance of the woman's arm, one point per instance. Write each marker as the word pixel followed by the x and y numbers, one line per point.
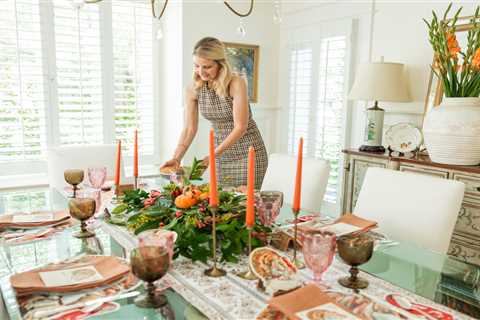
pixel 238 91
pixel 189 129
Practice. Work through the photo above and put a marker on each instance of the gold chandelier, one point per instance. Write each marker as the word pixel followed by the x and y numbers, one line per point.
pixel 166 2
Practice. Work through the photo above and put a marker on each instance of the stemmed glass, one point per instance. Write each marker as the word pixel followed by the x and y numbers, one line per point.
pixel 268 205
pixel 150 263
pixel 74 177
pixel 82 209
pixel 97 177
pixel 355 249
pixel 318 251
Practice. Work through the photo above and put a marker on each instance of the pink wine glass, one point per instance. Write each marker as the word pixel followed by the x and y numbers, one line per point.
pixel 97 177
pixel 318 251
pixel 268 205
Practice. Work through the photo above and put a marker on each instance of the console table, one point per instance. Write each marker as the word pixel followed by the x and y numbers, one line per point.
pixel 465 242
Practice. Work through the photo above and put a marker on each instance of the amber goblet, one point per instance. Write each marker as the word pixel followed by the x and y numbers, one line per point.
pixel 354 249
pixel 150 263
pixel 82 209
pixel 74 177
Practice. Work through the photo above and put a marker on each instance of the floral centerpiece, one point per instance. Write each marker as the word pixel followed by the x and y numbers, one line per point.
pixel 184 208
pixel 457 68
pixel 452 131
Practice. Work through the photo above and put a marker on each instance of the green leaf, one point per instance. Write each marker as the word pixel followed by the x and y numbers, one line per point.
pixel 121 208
pixel 148 226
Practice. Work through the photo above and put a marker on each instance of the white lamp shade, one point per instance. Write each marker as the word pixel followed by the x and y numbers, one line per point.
pixel 380 82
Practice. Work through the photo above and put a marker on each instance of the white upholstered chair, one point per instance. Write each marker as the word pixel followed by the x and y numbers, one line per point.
pixel 411 207
pixel 81 157
pixel 281 173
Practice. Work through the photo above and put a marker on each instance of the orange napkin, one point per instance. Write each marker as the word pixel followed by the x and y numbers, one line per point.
pixel 302 299
pixel 6 221
pixel 110 269
pixel 354 220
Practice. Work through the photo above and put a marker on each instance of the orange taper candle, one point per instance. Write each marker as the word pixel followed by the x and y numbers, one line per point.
pixel 213 174
pixel 298 178
pixel 135 155
pixel 117 168
pixel 250 216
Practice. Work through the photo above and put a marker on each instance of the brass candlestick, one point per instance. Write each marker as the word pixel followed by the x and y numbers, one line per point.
pixel 135 183
pixel 214 271
pixel 297 262
pixel 248 274
pixel 116 197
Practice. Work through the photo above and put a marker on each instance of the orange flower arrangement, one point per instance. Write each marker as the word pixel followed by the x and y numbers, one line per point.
pixel 459 70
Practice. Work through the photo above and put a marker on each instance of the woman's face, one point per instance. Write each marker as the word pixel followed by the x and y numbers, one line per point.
pixel 206 69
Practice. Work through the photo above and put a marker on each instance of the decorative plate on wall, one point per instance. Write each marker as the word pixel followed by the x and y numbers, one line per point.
pixel 403 137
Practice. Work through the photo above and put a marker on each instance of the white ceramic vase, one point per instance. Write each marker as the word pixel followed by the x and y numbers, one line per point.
pixel 452 131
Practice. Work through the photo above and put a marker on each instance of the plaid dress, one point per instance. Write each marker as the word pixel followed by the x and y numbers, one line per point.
pixel 232 164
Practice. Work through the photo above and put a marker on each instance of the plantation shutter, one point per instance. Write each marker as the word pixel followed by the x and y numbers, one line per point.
pixel 133 73
pixel 22 94
pixel 79 73
pixel 316 109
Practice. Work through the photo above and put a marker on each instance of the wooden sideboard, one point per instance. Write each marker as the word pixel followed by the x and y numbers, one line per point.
pixel 465 242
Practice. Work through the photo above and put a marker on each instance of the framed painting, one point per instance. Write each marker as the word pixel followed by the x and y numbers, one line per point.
pixel 244 61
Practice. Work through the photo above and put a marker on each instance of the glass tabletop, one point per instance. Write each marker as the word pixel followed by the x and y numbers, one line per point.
pixel 20 257
pixel 434 276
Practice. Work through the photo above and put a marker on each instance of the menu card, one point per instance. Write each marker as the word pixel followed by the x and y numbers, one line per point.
pixel 35 217
pixel 340 228
pixel 69 277
pixel 326 311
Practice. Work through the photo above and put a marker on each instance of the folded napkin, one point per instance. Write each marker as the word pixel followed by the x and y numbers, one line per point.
pixel 33 219
pixel 84 273
pixel 357 221
pixel 310 302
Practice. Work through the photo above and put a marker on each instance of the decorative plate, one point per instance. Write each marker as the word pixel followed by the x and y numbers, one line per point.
pixel 403 137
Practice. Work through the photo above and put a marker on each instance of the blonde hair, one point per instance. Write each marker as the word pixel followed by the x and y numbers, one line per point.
pixel 213 49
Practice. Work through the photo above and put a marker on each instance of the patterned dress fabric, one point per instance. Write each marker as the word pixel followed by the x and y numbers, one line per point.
pixel 232 164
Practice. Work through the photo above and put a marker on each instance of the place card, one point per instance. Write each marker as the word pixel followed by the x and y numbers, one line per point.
pixel 32 218
pixel 59 278
pixel 326 311
pixel 339 229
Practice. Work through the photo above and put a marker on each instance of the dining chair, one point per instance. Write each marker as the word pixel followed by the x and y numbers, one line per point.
pixel 81 157
pixel 280 176
pixel 411 207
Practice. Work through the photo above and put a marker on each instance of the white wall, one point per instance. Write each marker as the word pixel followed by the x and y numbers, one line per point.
pixel 212 18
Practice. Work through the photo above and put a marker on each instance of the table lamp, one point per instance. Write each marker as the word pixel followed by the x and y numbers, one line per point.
pixel 378 81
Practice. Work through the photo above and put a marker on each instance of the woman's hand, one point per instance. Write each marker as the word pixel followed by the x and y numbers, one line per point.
pixel 172 163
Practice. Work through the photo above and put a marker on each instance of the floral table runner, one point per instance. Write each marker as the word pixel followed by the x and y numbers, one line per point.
pixel 231 297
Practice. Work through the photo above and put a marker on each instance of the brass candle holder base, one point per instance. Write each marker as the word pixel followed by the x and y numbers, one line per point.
pixel 296 262
pixel 215 272
pixel 247 275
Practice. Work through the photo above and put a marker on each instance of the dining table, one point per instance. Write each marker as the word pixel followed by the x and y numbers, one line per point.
pixel 397 270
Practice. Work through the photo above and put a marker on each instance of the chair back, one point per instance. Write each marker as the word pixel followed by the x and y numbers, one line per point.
pixel 81 157
pixel 411 207
pixel 280 176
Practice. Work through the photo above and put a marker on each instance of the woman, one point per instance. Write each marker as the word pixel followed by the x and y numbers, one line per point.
pixel 222 99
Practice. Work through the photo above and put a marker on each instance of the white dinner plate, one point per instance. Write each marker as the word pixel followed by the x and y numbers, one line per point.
pixel 403 137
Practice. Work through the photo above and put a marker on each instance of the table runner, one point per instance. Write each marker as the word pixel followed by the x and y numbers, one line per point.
pixel 231 297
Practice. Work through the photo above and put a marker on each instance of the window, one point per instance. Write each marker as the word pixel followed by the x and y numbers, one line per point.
pixel 316 101
pixel 72 75
pixel 22 93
